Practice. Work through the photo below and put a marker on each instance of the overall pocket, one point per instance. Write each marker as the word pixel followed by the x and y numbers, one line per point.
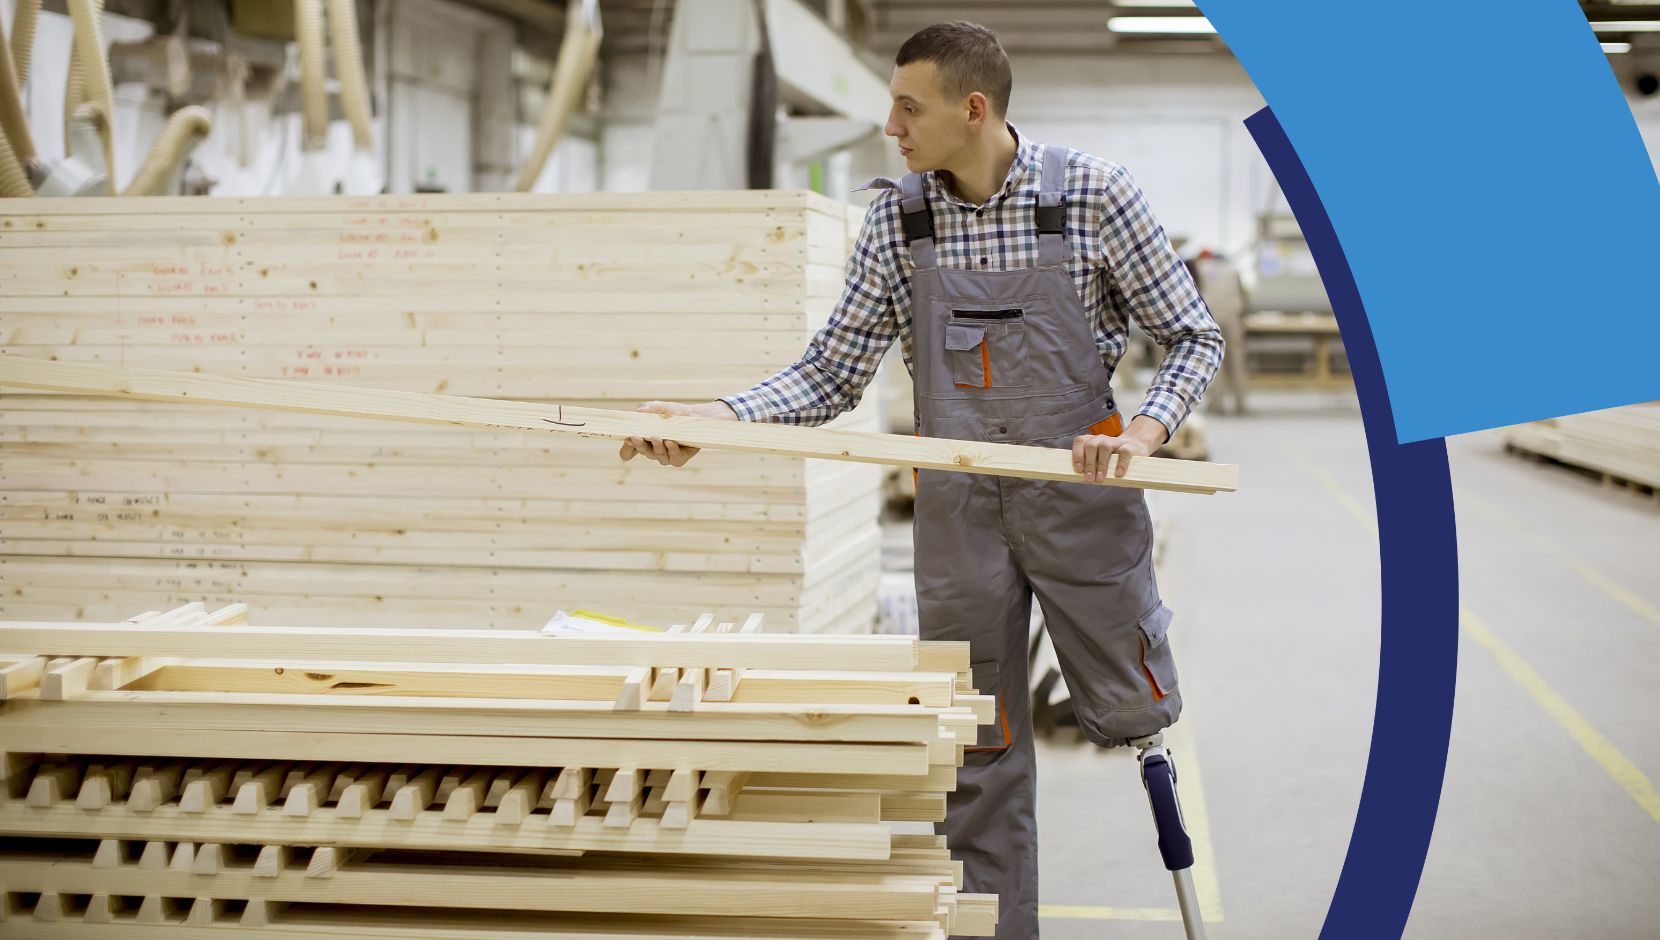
pixel 987 348
pixel 1158 664
pixel 968 356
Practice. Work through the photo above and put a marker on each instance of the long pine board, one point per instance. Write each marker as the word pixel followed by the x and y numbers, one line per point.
pixel 863 447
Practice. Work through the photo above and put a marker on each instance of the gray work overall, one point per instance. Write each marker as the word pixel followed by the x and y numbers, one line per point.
pixel 1009 356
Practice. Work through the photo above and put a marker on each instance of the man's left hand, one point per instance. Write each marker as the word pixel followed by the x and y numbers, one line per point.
pixel 1090 453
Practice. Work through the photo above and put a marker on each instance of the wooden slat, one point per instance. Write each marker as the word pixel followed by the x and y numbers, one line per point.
pixel 21 676
pixel 884 449
pixel 787 757
pixel 302 924
pixel 706 893
pixel 864 653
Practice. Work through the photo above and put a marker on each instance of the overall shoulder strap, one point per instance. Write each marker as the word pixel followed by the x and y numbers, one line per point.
pixel 1050 212
pixel 918 220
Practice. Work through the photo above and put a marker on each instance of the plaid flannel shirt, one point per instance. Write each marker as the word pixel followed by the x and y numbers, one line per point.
pixel 1123 266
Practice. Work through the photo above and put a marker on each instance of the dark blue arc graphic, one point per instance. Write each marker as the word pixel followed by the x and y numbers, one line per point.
pixel 1418 561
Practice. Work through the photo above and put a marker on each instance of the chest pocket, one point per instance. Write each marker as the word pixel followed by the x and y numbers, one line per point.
pixel 987 348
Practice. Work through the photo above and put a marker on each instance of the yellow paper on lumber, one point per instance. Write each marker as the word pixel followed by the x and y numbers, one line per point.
pixel 590 623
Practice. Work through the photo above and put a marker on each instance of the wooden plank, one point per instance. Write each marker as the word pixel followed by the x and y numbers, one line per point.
pixel 207 788
pixel 256 789
pixel 786 757
pixel 67 679
pixel 363 791
pixel 884 449
pixel 305 924
pixel 154 785
pixel 863 653
pixel 103 783
pixel 679 892
pixel 21 676
pixel 53 783
pixel 116 673
pixel 188 712
pixel 543 207
pixel 939 779
pixel 467 797
pixel 942 656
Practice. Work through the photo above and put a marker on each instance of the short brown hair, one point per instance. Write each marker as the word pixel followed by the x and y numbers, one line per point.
pixel 969 59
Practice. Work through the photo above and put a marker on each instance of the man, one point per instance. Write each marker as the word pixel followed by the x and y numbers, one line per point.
pixel 1009 271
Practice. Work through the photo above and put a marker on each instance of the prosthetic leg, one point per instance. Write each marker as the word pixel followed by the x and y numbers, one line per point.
pixel 1158 776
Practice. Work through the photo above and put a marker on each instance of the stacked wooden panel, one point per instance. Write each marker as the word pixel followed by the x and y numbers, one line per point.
pixel 604 300
pixel 1621 444
pixel 709 782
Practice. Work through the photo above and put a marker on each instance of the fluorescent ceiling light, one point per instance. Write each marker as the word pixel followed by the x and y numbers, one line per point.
pixel 1186 25
pixel 1626 26
pixel 1615 48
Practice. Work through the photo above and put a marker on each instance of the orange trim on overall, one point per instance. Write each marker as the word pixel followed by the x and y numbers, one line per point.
pixel 1002 713
pixel 1112 426
pixel 985 363
pixel 1158 693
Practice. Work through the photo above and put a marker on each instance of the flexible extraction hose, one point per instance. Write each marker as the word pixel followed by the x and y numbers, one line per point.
pixel 12 119
pixel 89 51
pixel 23 38
pixel 82 174
pixel 13 181
pixel 314 102
pixel 577 52
pixel 185 128
pixel 348 66
pixel 74 92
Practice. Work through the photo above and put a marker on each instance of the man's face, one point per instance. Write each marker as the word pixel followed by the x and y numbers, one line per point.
pixel 930 129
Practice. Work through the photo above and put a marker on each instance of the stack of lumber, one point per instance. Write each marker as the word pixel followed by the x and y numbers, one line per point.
pixel 360 782
pixel 1621 444
pixel 586 300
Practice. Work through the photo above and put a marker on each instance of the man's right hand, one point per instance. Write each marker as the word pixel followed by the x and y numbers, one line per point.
pixel 673 453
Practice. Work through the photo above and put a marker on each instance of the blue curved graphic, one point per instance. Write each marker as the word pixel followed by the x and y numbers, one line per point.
pixel 1492 190
pixel 1418 555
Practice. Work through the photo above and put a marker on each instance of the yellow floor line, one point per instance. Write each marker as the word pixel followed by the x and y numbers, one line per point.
pixel 1363 515
pixel 1197 816
pixel 1614 763
pixel 1592 576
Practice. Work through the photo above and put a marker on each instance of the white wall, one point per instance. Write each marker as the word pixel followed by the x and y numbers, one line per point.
pixel 629 96
pixel 631 87
pixel 1176 122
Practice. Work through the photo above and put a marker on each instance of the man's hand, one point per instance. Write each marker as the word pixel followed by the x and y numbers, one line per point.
pixel 672 453
pixel 1090 452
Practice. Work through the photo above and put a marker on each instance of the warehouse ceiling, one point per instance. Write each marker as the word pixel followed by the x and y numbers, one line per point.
pixel 1029 27
pixel 880 26
pixel 1053 26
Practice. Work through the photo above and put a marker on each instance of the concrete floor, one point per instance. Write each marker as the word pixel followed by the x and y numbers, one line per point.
pixel 1549 826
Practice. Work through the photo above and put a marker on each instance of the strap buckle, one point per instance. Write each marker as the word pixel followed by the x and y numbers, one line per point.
pixel 1051 220
pixel 918 224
